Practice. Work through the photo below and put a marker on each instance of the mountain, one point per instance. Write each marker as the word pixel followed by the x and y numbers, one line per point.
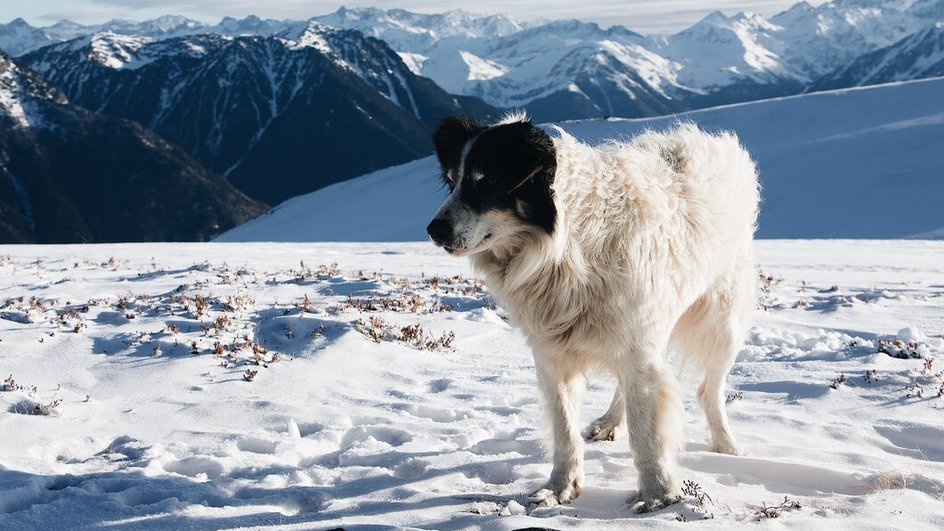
pixel 71 175
pixel 568 69
pixel 558 69
pixel 251 25
pixel 18 37
pixel 277 116
pixel 914 57
pixel 419 32
pixel 572 69
pixel 854 163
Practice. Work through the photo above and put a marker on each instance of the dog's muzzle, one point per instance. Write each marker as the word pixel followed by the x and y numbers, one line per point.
pixel 440 230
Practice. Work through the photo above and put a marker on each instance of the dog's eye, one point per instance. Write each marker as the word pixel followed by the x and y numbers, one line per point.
pixel 478 176
pixel 447 179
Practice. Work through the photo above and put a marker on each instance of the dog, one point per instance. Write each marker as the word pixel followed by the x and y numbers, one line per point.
pixel 608 257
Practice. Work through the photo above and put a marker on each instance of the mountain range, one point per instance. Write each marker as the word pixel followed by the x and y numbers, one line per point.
pixel 569 69
pixel 277 116
pixel 271 109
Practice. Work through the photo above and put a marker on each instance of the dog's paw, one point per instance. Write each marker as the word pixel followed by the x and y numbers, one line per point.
pixel 602 430
pixel 550 496
pixel 647 504
pixel 725 447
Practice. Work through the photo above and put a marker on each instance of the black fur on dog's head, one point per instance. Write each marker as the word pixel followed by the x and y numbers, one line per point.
pixel 499 178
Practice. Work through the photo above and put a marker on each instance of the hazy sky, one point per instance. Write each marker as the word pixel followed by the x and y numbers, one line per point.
pixel 647 16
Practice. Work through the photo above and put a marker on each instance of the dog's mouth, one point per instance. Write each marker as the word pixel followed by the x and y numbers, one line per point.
pixel 456 251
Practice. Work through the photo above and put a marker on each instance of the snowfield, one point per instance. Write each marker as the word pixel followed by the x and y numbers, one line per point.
pixel 306 386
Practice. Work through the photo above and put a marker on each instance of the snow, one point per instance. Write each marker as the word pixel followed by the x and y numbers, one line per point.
pixel 119 51
pixel 718 51
pixel 481 69
pixel 413 61
pixel 110 419
pixel 312 35
pixel 19 95
pixel 11 102
pixel 855 163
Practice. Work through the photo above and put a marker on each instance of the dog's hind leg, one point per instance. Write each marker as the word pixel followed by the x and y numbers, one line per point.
pixel 711 331
pixel 562 384
pixel 607 427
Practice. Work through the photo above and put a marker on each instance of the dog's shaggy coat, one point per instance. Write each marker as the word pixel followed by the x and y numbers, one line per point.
pixel 649 249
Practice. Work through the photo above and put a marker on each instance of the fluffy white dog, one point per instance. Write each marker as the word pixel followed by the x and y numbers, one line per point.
pixel 608 257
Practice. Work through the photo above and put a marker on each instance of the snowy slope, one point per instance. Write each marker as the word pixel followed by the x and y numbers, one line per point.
pixel 858 163
pixel 140 355
pixel 917 56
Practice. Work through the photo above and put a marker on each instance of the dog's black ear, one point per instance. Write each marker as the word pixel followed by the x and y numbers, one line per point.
pixel 451 137
pixel 524 152
pixel 541 156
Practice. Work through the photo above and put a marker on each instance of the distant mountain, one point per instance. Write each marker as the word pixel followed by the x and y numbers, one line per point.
pixel 569 69
pixel 71 175
pixel 278 116
pixel 859 163
pixel 914 57
pixel 420 32
pixel 18 37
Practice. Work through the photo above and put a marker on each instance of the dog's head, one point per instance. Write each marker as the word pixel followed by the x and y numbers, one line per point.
pixel 499 178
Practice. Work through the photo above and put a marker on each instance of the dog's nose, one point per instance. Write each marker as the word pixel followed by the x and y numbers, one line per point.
pixel 440 230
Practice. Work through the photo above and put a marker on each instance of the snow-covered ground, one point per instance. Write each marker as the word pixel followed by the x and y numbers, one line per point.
pixel 242 385
pixel 855 163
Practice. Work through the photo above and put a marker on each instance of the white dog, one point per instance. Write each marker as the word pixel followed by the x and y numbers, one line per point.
pixel 609 256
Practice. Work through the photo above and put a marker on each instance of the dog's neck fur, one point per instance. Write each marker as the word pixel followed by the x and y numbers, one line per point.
pixel 533 253
pixel 535 266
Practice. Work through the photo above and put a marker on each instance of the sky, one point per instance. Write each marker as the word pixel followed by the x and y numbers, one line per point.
pixel 646 16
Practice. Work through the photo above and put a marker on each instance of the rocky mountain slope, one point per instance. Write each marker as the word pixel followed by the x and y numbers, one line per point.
pixel 71 175
pixel 278 116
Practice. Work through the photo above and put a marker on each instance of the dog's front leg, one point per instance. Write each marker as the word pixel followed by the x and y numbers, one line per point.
pixel 562 386
pixel 654 417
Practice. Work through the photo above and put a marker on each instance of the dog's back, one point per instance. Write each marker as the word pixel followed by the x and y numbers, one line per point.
pixel 694 193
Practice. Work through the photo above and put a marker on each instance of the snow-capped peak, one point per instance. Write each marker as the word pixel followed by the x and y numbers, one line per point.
pixel 412 32
pixel 115 50
pixel 251 25
pixel 715 18
pixel 309 34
